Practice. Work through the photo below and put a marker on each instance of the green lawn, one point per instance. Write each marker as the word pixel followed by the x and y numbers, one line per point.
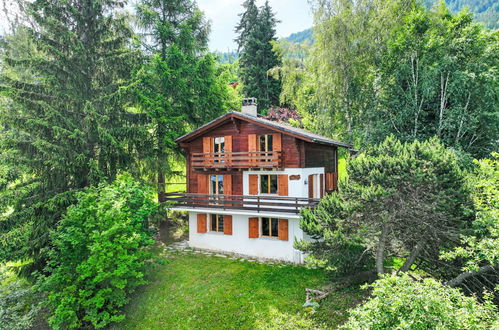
pixel 197 291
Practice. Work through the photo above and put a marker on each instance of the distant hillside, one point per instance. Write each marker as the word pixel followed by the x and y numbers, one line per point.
pixel 300 37
pixel 486 11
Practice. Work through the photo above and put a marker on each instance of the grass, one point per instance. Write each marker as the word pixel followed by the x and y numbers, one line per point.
pixel 194 291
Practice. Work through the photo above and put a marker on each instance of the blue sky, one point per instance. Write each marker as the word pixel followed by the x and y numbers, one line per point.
pixel 295 16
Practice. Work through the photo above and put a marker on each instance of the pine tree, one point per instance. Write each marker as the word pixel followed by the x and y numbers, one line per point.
pixel 177 87
pixel 63 118
pixel 256 32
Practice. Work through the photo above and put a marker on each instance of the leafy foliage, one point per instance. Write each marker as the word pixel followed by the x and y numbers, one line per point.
pixel 479 249
pixel 394 67
pixel 403 199
pixel 256 31
pixel 399 302
pixel 177 87
pixel 437 78
pixel 98 257
pixel 62 117
pixel 20 304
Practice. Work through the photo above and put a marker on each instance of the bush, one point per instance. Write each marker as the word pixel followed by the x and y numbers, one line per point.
pixel 403 303
pixel 98 257
pixel 19 304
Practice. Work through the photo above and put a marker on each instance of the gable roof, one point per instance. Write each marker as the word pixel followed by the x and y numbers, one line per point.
pixel 286 129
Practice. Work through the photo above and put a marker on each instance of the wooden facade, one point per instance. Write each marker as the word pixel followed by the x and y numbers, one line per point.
pixel 241 152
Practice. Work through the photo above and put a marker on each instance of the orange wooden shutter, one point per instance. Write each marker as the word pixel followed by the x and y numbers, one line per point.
pixel 321 177
pixel 253 184
pixel 227 187
pixel 276 142
pixel 202 184
pixel 283 185
pixel 329 181
pixel 201 223
pixel 228 143
pixel 252 142
pixel 207 144
pixel 228 148
pixel 228 224
pixel 335 181
pixel 283 229
pixel 227 184
pixel 252 147
pixel 311 186
pixel 207 149
pixel 253 228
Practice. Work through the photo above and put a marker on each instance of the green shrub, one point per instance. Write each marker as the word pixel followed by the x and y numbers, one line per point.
pixel 97 258
pixel 19 304
pixel 403 303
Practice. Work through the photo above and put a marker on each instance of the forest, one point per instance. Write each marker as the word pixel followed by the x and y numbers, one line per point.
pixel 94 93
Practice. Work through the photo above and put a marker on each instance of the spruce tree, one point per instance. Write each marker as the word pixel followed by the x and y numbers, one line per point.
pixel 63 118
pixel 177 88
pixel 256 32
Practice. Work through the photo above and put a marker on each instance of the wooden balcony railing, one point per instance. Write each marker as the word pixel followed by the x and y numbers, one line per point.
pixel 245 159
pixel 257 204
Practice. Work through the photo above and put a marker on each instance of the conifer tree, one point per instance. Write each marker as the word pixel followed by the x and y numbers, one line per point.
pixel 177 88
pixel 64 124
pixel 256 32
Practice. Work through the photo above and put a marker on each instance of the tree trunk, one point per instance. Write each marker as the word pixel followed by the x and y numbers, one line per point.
pixel 410 259
pixel 161 157
pixel 380 254
pixel 456 281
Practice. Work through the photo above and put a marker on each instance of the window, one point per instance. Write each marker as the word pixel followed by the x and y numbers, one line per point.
pixel 218 147
pixel 266 145
pixel 270 227
pixel 216 184
pixel 268 184
pixel 217 223
pixel 266 142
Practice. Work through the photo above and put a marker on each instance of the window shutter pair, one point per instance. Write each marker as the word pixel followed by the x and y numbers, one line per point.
pixel 282 183
pixel 254 231
pixel 203 184
pixel 276 142
pixel 202 224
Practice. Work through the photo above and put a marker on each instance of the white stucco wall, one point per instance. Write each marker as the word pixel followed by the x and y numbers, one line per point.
pixel 239 242
pixel 262 247
pixel 296 188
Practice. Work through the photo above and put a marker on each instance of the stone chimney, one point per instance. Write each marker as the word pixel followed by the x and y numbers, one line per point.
pixel 250 106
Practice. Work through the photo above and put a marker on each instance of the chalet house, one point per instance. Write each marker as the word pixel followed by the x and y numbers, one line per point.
pixel 248 178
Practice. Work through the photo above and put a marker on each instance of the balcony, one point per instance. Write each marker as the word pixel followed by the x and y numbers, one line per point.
pixel 254 204
pixel 237 160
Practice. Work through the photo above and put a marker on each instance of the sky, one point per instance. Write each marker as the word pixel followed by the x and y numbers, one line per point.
pixel 295 16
